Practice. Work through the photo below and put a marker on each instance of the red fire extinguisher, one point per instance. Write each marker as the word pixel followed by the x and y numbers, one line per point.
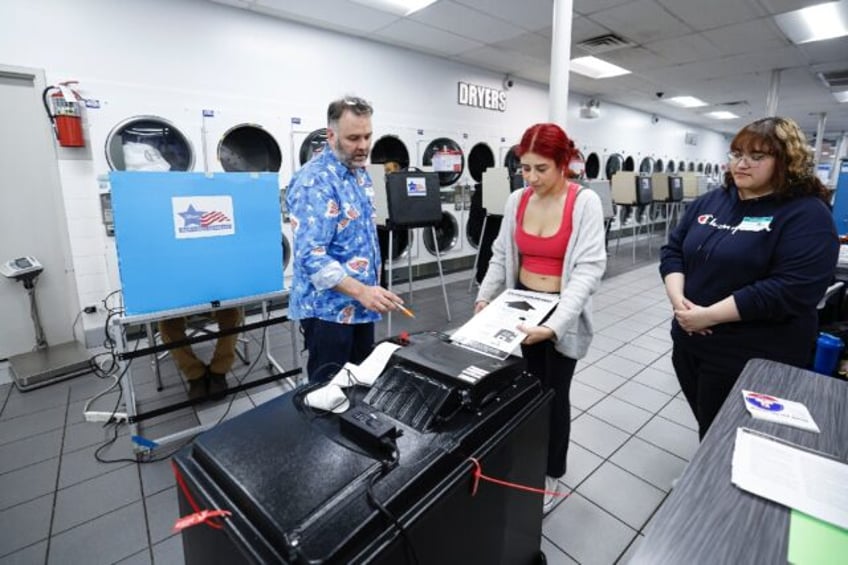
pixel 62 105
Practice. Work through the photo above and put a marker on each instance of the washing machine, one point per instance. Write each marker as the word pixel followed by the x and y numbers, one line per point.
pixel 137 129
pixel 242 140
pixel 443 154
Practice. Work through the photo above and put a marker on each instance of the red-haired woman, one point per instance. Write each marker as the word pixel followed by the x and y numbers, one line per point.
pixel 551 240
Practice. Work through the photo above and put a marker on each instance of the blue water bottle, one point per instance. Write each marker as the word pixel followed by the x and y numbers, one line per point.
pixel 828 351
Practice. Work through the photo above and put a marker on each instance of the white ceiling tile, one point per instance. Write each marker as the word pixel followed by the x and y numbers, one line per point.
pixel 584 28
pixel 585 7
pixel 781 6
pixel 455 18
pixel 634 59
pixel 423 37
pixel 335 15
pixel 684 49
pixel 499 60
pixel 530 44
pixel 830 51
pixel 642 21
pixel 753 35
pixel 529 14
pixel 715 13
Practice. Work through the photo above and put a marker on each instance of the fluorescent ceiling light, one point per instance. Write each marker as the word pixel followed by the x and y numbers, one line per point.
pixel 399 7
pixel 841 96
pixel 686 101
pixel 815 23
pixel 722 115
pixel 593 67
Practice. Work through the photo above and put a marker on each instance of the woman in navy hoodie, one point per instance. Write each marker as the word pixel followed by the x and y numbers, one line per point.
pixel 747 265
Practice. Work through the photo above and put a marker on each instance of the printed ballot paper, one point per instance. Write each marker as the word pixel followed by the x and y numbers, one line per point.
pixel 779 410
pixel 808 481
pixel 494 330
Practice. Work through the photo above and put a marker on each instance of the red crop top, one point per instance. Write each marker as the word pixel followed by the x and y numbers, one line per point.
pixel 545 255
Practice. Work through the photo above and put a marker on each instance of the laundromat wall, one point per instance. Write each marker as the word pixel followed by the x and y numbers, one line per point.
pixel 176 58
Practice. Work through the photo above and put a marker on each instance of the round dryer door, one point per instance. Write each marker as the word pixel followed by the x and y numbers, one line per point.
pixel 670 166
pixel 446 158
pixel 480 158
pixel 248 148
pixel 512 162
pixel 614 164
pixel 447 235
pixel 312 145
pixel 691 166
pixel 658 166
pixel 629 164
pixel 390 149
pixel 593 166
pixel 287 252
pixel 709 169
pixel 148 143
pixel 400 243
pixel 647 165
pixel 681 166
pixel 700 167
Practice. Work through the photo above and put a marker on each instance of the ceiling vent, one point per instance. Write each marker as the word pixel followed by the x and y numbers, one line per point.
pixel 835 79
pixel 604 43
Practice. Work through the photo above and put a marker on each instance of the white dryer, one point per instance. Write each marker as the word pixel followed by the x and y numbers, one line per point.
pixel 443 154
pixel 481 157
pixel 307 133
pixel 242 140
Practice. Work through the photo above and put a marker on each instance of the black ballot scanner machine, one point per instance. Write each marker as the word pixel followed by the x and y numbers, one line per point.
pixel 389 481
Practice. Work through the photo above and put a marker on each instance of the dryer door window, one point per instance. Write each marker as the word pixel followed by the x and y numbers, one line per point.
pixel 593 166
pixel 480 158
pixel 390 149
pixel 249 149
pixel 446 157
pixel 512 162
pixel 312 145
pixel 614 164
pixel 148 143
pixel 447 235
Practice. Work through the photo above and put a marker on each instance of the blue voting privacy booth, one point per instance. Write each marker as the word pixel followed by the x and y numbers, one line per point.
pixel 188 239
pixel 840 201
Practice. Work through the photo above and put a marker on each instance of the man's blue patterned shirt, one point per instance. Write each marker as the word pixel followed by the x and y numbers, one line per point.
pixel 331 210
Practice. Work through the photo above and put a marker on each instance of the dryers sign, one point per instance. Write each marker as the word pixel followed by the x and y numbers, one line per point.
pixel 203 216
pixel 481 97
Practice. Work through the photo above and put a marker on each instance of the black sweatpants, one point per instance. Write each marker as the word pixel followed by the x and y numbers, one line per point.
pixel 705 381
pixel 555 371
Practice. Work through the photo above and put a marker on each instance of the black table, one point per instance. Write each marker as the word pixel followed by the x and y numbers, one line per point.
pixel 707 519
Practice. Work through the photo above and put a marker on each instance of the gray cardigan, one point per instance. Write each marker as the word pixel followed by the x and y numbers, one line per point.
pixel 583 267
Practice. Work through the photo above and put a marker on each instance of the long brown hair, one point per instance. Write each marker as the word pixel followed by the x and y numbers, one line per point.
pixel 794 166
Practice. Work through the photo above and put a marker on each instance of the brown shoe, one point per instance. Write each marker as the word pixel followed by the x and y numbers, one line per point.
pixel 197 389
pixel 217 385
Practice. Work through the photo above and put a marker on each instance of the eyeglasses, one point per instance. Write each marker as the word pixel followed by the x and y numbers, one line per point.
pixel 754 160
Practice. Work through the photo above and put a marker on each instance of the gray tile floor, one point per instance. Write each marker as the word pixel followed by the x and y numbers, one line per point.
pixel 632 434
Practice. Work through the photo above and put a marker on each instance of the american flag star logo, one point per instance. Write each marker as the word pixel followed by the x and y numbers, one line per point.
pixel 214 217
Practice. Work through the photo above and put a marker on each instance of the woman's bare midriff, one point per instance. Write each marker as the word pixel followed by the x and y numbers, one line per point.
pixel 542 283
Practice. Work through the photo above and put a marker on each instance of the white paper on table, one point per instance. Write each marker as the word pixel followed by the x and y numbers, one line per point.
pixel 494 330
pixel 794 476
pixel 779 410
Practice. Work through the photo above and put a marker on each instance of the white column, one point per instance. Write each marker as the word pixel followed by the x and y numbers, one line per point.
pixel 820 135
pixel 560 62
pixel 773 93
